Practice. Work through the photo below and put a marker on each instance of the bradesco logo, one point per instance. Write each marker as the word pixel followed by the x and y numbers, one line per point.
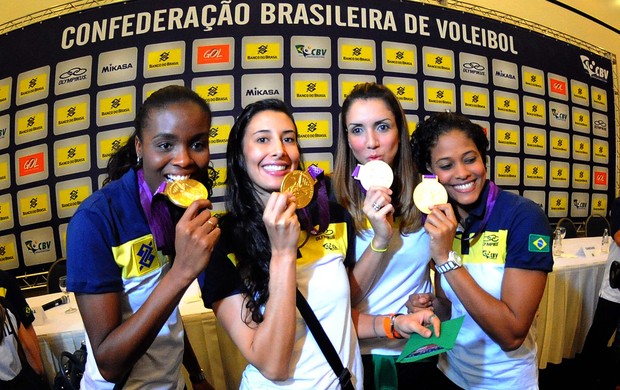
pixel 213 54
pixel 29 165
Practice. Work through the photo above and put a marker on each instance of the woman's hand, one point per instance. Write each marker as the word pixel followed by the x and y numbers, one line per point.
pixel 420 301
pixel 196 235
pixel 441 226
pixel 282 225
pixel 379 210
pixel 417 322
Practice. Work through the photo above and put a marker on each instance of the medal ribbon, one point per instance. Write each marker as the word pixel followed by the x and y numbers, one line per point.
pixel 490 204
pixel 322 201
pixel 157 213
pixel 355 174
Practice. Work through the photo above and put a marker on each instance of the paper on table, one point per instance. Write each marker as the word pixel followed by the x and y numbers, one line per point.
pixel 418 347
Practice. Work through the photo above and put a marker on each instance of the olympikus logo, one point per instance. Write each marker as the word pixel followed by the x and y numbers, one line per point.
pixel 29 165
pixel 213 54
pixel 558 86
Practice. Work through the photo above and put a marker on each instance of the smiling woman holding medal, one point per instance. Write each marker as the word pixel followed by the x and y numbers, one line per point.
pixel 392 249
pixel 273 252
pixel 126 262
pixel 491 250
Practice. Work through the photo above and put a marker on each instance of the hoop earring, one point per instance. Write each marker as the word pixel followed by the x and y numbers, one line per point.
pixel 139 160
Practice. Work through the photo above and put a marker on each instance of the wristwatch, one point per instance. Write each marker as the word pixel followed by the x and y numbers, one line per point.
pixel 454 262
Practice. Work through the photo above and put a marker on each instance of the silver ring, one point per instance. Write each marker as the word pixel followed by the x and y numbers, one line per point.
pixel 430 319
pixel 376 206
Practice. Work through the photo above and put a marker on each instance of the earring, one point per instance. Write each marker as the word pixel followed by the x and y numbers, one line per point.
pixel 139 160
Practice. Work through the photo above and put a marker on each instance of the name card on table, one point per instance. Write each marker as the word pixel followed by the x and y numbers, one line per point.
pixel 587 251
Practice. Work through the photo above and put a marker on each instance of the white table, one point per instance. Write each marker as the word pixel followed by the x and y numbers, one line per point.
pixel 217 354
pixel 569 301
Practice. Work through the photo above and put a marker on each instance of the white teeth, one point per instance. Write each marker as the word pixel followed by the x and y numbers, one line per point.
pixel 177 177
pixel 274 168
pixel 464 186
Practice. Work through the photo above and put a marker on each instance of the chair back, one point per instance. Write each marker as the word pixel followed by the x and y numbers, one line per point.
pixel 595 225
pixel 58 269
pixel 567 223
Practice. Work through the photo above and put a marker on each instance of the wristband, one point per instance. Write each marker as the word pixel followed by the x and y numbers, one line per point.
pixel 196 378
pixel 377 250
pixel 387 325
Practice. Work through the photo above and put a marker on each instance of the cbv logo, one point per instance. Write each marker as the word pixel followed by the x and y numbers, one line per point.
pixel 593 70
pixel 36 247
pixel 579 204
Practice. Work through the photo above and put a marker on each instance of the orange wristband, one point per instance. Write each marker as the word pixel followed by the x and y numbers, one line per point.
pixel 387 325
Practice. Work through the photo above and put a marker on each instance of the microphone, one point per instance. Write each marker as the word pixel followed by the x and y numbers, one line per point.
pixel 55 302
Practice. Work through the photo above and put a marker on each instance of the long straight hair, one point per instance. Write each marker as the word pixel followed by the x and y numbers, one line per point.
pixel 406 177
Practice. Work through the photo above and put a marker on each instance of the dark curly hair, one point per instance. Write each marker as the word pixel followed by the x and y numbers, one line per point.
pixel 243 224
pixel 406 177
pixel 425 137
pixel 125 158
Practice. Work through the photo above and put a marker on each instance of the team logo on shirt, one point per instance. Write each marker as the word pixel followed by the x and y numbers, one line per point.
pixel 138 257
pixel 538 243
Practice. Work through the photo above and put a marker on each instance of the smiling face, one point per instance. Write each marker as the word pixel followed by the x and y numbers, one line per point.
pixel 372 132
pixel 270 150
pixel 174 144
pixel 459 167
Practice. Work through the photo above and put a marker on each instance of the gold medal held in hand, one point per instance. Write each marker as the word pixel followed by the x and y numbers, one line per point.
pixel 301 185
pixel 183 192
pixel 429 193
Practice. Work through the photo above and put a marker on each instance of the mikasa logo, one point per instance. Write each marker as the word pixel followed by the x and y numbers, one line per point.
pixel 114 68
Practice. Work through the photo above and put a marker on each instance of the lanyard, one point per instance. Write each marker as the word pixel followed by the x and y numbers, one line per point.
pixel 157 213
pixel 488 210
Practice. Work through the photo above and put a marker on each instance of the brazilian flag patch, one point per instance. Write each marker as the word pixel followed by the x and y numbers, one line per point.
pixel 538 243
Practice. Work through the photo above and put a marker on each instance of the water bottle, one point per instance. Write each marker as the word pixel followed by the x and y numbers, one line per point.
pixel 605 242
pixel 557 243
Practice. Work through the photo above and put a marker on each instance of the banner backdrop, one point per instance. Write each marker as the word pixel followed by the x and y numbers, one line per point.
pixel 70 88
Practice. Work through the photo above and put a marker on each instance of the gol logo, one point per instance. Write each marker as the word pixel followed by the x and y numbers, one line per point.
pixel 558 86
pixel 29 165
pixel 600 178
pixel 213 54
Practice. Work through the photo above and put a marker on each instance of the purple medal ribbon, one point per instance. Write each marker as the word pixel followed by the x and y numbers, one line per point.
pixel 157 213
pixel 490 204
pixel 355 174
pixel 322 201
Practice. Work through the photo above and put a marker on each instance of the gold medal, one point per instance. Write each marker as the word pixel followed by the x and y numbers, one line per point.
pixel 375 173
pixel 183 192
pixel 429 193
pixel 301 185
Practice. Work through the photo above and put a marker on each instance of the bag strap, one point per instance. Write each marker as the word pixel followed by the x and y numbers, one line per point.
pixel 343 373
pixel 74 361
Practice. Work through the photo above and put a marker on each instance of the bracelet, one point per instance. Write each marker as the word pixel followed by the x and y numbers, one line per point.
pixel 374 329
pixel 196 378
pixel 377 250
pixel 392 328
